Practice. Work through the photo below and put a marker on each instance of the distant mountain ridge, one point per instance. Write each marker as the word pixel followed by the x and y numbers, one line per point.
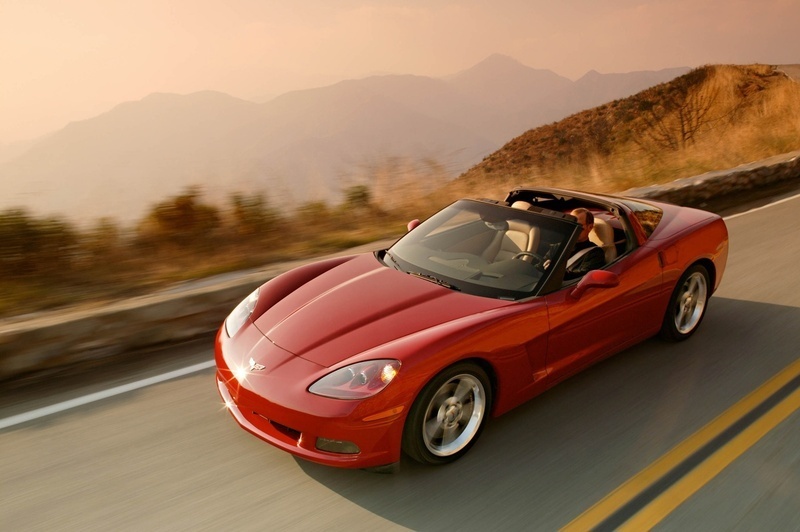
pixel 301 146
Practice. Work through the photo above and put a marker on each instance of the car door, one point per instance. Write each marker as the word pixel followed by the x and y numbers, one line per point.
pixel 604 320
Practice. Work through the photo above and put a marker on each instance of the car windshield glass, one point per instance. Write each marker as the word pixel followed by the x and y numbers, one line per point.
pixel 483 249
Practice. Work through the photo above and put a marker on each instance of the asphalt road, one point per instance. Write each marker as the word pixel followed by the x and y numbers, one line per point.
pixel 168 457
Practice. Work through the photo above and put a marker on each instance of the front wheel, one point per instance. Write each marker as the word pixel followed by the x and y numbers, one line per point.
pixel 448 415
pixel 687 306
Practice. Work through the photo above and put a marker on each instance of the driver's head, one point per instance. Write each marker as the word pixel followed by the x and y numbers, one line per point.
pixel 586 219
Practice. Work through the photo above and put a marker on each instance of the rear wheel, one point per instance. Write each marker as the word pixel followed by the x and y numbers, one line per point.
pixel 448 415
pixel 687 306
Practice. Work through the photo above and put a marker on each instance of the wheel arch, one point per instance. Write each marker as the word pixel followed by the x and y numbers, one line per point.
pixel 486 366
pixel 476 359
pixel 708 264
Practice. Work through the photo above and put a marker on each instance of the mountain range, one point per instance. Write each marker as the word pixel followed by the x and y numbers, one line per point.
pixel 302 146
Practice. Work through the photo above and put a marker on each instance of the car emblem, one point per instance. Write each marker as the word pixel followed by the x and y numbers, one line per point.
pixel 254 366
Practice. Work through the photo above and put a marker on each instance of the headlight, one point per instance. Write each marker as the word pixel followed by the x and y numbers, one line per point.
pixel 357 381
pixel 241 313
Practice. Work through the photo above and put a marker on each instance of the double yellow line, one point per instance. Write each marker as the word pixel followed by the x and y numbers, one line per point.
pixel 647 498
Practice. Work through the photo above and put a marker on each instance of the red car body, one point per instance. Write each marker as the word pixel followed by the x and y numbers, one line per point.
pixel 311 321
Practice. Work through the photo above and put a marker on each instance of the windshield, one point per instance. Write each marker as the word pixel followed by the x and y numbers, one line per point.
pixel 483 249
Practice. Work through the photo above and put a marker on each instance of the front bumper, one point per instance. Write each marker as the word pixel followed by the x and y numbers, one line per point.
pixel 275 406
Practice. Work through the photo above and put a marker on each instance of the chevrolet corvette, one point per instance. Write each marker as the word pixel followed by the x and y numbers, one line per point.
pixel 353 361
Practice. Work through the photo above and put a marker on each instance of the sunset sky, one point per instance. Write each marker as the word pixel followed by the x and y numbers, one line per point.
pixel 67 60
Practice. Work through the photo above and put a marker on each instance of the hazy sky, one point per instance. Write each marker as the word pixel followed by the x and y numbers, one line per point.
pixel 66 60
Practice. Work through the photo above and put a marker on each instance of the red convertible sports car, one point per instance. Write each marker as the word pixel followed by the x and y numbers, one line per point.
pixel 352 361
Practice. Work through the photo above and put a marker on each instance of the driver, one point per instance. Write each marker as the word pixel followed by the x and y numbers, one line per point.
pixel 586 255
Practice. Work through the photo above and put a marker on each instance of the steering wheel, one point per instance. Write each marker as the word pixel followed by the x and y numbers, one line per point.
pixel 537 259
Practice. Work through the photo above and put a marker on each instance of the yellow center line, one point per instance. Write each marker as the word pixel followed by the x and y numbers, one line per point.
pixel 595 515
pixel 662 506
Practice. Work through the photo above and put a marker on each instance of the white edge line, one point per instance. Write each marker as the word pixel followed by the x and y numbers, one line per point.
pixel 99 396
pixel 784 200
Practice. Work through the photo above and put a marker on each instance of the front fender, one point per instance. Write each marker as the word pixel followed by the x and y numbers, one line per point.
pixel 500 339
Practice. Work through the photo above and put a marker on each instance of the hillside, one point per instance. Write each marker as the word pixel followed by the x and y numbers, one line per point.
pixel 302 146
pixel 712 118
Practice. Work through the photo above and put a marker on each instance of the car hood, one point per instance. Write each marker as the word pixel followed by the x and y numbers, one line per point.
pixel 359 305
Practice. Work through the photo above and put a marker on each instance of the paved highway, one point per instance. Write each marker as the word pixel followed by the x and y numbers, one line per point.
pixel 699 435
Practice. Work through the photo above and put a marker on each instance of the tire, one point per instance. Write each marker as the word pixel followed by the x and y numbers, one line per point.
pixel 448 415
pixel 687 306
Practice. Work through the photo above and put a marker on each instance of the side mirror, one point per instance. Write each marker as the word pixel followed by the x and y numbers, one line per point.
pixel 413 224
pixel 595 279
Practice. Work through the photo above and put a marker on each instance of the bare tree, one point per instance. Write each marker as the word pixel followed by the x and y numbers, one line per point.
pixel 673 118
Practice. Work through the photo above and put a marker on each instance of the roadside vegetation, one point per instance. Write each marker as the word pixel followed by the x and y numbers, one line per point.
pixel 47 263
pixel 712 118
